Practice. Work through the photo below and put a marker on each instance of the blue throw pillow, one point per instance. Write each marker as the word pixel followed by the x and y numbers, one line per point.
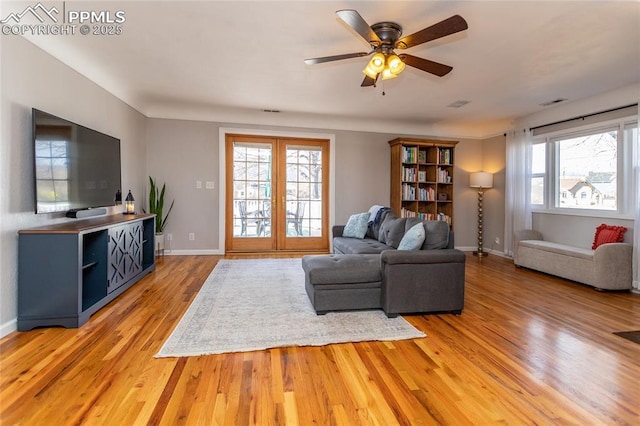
pixel 356 226
pixel 413 239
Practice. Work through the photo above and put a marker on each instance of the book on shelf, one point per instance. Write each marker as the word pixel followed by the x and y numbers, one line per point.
pixel 407 213
pixel 422 176
pixel 408 174
pixel 443 176
pixel 444 156
pixel 422 156
pixel 404 212
pixel 409 154
pixel 408 192
pixel 426 194
pixel 443 217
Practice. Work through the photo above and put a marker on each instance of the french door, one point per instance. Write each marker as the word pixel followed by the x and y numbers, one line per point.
pixel 276 194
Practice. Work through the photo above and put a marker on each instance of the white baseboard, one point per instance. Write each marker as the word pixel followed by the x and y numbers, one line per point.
pixel 493 252
pixel 8 327
pixel 193 253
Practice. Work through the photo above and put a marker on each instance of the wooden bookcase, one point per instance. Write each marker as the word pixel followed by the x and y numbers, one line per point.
pixel 422 178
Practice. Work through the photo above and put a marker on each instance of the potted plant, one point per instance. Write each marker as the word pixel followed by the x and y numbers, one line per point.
pixel 156 206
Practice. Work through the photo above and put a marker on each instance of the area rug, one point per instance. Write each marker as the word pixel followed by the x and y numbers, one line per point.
pixel 634 336
pixel 255 304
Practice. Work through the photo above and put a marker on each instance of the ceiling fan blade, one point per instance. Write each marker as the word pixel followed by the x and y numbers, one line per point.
pixel 368 81
pixel 426 65
pixel 357 22
pixel 444 28
pixel 312 61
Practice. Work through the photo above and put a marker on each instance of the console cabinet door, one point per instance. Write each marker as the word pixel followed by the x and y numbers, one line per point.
pixel 125 254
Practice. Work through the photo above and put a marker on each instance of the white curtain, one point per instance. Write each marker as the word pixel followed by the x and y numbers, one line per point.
pixel 518 186
pixel 636 225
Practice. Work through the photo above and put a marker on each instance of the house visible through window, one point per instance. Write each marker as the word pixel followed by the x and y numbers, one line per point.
pixel 588 171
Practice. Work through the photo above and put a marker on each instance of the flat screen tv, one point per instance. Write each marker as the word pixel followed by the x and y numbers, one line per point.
pixel 76 168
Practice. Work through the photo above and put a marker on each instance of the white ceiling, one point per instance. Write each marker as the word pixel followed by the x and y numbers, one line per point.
pixel 228 61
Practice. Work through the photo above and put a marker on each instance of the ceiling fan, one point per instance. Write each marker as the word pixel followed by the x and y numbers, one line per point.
pixel 384 37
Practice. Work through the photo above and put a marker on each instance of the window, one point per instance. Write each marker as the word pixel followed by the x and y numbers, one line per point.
pixel 584 172
pixel 587 171
pixel 538 168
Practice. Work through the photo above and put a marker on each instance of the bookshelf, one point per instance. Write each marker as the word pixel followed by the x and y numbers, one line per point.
pixel 422 178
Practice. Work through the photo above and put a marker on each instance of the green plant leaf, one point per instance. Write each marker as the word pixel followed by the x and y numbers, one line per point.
pixel 156 204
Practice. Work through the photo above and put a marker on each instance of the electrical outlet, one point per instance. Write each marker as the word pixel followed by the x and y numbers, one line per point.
pixel 198 184
pixel 169 237
pixel 497 240
pixel 192 236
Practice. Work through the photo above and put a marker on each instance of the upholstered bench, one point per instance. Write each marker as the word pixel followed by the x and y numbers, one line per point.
pixel 343 282
pixel 608 267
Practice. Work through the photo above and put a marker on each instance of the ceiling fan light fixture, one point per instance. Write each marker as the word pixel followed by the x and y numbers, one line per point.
pixel 369 72
pixel 387 74
pixel 375 65
pixel 395 64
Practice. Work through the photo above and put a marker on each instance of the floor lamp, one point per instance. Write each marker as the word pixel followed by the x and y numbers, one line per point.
pixel 482 181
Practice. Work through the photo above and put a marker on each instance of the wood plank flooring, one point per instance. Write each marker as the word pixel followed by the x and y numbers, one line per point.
pixel 528 349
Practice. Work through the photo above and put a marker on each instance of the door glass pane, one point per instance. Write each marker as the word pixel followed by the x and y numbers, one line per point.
pixel 251 190
pixel 304 191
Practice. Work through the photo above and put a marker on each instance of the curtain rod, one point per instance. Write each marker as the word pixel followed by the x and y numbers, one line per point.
pixel 582 117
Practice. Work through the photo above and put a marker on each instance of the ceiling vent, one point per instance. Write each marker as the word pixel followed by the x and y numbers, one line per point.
pixel 553 102
pixel 458 104
pixel 271 110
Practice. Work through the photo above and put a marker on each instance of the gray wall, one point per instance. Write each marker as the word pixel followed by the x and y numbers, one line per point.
pixel 179 154
pixel 33 79
pixel 182 152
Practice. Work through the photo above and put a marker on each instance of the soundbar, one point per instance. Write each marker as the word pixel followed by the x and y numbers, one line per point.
pixel 82 213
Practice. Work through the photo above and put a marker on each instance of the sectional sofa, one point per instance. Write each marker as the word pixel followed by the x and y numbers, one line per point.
pixel 371 273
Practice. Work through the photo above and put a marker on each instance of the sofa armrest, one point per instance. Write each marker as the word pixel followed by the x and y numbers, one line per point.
pixel 397 257
pixel 422 281
pixel 613 266
pixel 337 230
pixel 527 234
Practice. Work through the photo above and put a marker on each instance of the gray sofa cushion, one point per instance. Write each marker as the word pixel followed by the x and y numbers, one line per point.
pixel 337 269
pixel 436 235
pixel 373 230
pixel 355 246
pixel 392 230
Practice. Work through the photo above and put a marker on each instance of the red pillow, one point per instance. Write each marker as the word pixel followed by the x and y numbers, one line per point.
pixel 608 234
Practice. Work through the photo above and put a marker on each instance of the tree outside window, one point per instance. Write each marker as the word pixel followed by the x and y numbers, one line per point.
pixel 587 171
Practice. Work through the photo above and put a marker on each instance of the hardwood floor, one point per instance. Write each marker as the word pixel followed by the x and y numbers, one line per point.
pixel 528 349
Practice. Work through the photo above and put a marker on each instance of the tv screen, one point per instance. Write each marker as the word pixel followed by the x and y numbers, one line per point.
pixel 76 168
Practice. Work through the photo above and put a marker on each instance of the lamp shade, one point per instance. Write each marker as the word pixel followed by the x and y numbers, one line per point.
pixel 375 65
pixel 387 74
pixel 481 180
pixel 395 64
